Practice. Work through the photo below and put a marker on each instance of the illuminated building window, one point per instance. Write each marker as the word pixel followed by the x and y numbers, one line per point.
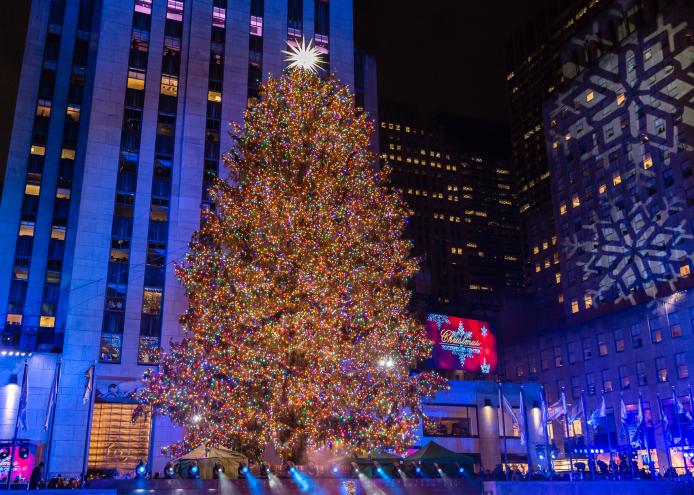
pixel 38 150
pixel 73 112
pixel 545 245
pixel 215 96
pixel 62 193
pixel 32 189
pixel 589 96
pixel 537 268
pixel 567 136
pixel 647 161
pixel 557 277
pixel 554 240
pixel 116 441
pixel 681 365
pixel 169 85
pixel 536 249
pixel 574 306
pixel 219 15
pixel 556 258
pixel 21 273
pixel 616 179
pixel 602 188
pixel 67 154
pixel 562 208
pixel 26 228
pixel 471 244
pixel 47 321
pixel 174 10
pixel 151 303
pixel 547 264
pixel 621 97
pixel 14 319
pixel 588 301
pixel 136 80
pixel 661 369
pixel 510 258
pixel 58 233
pixel 647 54
pixel 685 271
pixel 43 108
pixel 560 298
pixel 575 201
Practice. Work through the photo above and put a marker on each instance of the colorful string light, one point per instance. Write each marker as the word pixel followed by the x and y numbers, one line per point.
pixel 297 292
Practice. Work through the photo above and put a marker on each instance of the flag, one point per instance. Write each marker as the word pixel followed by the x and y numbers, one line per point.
pixel 545 414
pixel 556 410
pixel 52 398
pixel 23 401
pixel 640 420
pixel 521 419
pixel 600 412
pixel 514 418
pixel 576 411
pixel 681 411
pixel 88 385
pixel 623 412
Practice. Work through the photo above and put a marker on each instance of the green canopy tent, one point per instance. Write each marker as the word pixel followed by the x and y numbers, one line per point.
pixel 386 460
pixel 206 457
pixel 447 459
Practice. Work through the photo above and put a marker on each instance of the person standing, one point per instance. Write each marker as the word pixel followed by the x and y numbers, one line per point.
pixel 36 477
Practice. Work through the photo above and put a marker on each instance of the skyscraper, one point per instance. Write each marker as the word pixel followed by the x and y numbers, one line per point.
pixel 120 123
pixel 464 225
pixel 533 72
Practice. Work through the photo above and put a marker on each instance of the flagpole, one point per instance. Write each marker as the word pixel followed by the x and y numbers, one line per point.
pixel 591 455
pixel 625 427
pixel 58 367
pixel 609 435
pixel 568 438
pixel 527 432
pixel 691 415
pixel 16 423
pixel 676 405
pixel 503 426
pixel 548 452
pixel 88 429
pixel 663 422
pixel 645 432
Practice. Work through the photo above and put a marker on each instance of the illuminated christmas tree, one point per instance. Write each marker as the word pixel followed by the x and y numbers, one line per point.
pixel 298 332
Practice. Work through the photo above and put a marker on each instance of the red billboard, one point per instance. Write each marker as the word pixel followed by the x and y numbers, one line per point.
pixel 461 344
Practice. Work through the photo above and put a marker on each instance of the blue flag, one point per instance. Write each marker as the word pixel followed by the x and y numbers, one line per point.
pixel 23 401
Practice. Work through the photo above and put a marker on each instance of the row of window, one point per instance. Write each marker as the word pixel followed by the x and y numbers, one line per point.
pixel 122 226
pixel 607 379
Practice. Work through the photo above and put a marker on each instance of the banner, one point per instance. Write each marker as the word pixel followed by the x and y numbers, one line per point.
pixel 461 344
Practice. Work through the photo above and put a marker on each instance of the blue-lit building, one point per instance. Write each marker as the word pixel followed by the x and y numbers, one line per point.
pixel 618 131
pixel 121 118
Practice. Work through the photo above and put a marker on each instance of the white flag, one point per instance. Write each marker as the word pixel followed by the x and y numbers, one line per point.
pixel 88 385
pixel 521 420
pixel 514 418
pixel 52 398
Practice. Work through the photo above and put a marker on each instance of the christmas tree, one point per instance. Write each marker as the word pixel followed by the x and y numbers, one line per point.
pixel 297 330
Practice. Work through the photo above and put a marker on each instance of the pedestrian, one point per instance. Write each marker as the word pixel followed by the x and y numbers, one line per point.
pixel 36 477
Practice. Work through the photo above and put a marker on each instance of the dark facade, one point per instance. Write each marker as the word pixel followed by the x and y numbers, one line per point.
pixel 534 70
pixel 464 222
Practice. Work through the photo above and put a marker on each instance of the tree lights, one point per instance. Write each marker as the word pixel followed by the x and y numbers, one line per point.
pixel 297 332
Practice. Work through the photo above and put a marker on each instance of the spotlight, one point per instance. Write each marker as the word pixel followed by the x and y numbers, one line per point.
pixel 602 451
pixel 23 452
pixel 140 470
pixel 461 470
pixel 4 453
pixel 418 470
pixel 541 456
pixel 379 469
pixel 335 469
pixel 169 471
pixel 194 471
pixel 218 470
pixel 244 469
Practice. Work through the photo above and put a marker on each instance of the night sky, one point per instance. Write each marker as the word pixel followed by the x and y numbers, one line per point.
pixel 442 55
pixel 438 55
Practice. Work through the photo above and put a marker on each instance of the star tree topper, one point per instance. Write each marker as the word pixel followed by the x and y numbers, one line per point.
pixel 303 56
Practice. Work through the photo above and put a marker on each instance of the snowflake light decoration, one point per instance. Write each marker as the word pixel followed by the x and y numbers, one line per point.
pixel 632 252
pixel 485 368
pixel 439 320
pixel 303 56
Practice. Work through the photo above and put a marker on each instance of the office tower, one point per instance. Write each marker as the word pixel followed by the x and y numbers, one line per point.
pixel 121 119
pixel 618 134
pixel 464 225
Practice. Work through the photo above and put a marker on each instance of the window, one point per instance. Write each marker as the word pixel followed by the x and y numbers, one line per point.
pixel 616 179
pixel 38 150
pixel 647 161
pixel 169 85
pixel 136 80
pixel 675 328
pixel 590 383
pixel 587 349
pixel 575 387
pixel 624 381
pixel 572 351
pixel 621 97
pixel 660 370
pixel 606 380
pixel 681 365
pixel 589 96
pixel 47 322
pixel 151 303
pixel 636 341
pixel 618 340
pixel 509 427
pixel 544 360
pixel 114 434
pixel 641 373
pixel 448 421
pixel 588 301
pixel 562 208
pixel 575 201
pixel 256 26
pixel 602 188
pixel 656 331
pixel 520 371
pixel 32 189
pixel 558 359
pixel 26 228
pixel 110 347
pixel 574 306
pixel 602 344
